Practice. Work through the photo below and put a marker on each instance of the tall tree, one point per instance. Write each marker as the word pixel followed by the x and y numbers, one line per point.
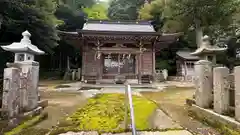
pixel 204 13
pixel 124 9
pixel 78 4
pixel 97 11
pixel 33 15
pixel 159 12
pixel 72 19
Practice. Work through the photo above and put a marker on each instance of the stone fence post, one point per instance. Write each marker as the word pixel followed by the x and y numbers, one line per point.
pixel 204 83
pixel 11 93
pixel 237 92
pixel 30 70
pixel 221 87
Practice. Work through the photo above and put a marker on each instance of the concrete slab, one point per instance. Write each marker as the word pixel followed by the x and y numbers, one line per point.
pixel 177 132
pixel 212 116
pixel 118 90
pixel 162 121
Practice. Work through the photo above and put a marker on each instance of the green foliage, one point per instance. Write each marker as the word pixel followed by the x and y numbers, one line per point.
pixel 79 4
pixel 160 13
pixel 210 17
pixel 218 18
pixel 229 58
pixel 166 58
pixel 124 9
pixel 72 19
pixel 105 113
pixel 207 12
pixel 97 11
pixel 35 16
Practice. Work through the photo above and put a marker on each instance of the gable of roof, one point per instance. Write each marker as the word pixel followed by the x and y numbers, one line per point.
pixel 122 26
pixel 186 54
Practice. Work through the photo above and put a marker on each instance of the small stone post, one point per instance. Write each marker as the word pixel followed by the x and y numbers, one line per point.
pixel 204 86
pixel 11 92
pixel 237 92
pixel 220 88
pixel 165 74
pixel 30 70
pixel 79 74
pixel 73 74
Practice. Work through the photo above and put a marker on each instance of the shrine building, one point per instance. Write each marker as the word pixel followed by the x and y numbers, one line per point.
pixel 114 49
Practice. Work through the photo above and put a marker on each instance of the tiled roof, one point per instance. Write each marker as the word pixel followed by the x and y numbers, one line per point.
pixel 186 54
pixel 123 26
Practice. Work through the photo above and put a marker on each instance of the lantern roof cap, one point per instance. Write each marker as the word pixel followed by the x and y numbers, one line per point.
pixel 207 48
pixel 24 46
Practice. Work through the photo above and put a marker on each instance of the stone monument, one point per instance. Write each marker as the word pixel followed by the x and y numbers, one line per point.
pixel 20 89
pixel 204 72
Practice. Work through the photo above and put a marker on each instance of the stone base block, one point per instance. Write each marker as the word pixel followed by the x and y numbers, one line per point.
pixel 43 103
pixel 190 102
pixel 214 117
pixel 14 122
pixel 33 113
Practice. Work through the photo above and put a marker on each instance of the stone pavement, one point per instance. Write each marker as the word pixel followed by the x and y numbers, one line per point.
pixel 144 87
pixel 162 122
pixel 173 132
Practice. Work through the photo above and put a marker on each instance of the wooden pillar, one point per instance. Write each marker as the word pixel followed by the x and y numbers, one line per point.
pixel 185 70
pixel 83 64
pixel 99 61
pixel 140 68
pixel 153 63
pixel 84 60
pixel 99 73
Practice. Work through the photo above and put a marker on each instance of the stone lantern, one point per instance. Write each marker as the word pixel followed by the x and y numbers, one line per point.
pixel 24 50
pixel 204 72
pixel 27 71
pixel 207 51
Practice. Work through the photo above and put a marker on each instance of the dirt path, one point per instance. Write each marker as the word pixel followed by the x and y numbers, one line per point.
pixel 60 105
pixel 172 102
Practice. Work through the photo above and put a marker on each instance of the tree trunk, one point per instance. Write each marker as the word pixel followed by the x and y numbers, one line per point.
pixel 199 33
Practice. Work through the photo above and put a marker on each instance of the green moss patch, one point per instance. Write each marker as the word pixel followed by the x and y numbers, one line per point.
pixel 34 131
pixel 25 125
pixel 105 113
